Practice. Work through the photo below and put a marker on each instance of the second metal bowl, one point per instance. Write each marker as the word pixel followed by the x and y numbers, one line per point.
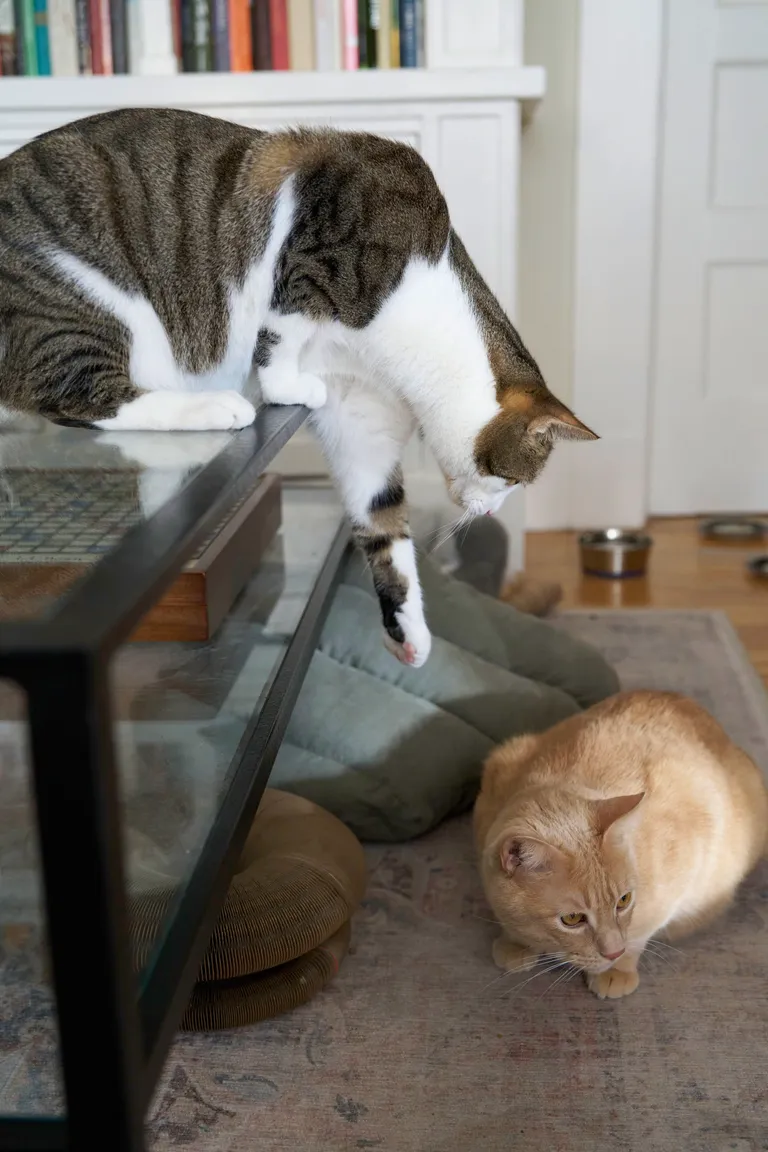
pixel 614 553
pixel 758 566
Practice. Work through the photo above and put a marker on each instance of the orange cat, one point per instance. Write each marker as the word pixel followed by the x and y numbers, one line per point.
pixel 635 818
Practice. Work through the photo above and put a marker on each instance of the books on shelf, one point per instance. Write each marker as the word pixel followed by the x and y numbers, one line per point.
pixel 105 37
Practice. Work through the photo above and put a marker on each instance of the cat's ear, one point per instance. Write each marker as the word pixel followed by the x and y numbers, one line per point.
pixel 556 422
pixel 522 855
pixel 615 808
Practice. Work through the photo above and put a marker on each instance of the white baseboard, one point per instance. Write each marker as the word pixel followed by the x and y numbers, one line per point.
pixel 600 485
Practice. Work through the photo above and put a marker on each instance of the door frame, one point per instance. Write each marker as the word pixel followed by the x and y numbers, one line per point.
pixel 621 51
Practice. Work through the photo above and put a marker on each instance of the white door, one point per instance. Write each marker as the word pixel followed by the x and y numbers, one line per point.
pixel 709 425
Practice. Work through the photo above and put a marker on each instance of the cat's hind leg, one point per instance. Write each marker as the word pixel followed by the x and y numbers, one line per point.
pixel 363 435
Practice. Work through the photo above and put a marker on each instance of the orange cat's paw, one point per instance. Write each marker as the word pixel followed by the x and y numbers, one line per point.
pixel 511 956
pixel 612 984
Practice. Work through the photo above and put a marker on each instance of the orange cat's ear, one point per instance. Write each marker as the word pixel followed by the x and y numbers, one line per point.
pixel 611 810
pixel 521 854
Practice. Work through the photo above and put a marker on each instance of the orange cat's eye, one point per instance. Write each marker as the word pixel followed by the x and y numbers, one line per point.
pixel 572 919
pixel 624 901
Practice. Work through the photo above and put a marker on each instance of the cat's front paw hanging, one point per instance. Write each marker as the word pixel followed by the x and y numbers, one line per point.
pixel 414 648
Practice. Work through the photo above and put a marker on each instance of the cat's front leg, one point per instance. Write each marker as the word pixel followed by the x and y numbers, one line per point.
pixel 362 434
pixel 512 957
pixel 278 357
pixel 619 980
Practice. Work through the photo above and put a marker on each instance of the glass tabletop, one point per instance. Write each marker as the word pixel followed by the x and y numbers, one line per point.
pixel 68 496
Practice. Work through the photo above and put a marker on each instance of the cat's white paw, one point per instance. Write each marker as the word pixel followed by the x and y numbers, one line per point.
pixel 219 411
pixel 416 644
pixel 279 387
pixel 174 411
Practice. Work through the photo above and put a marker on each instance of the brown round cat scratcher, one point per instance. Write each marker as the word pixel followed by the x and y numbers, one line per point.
pixel 232 1003
pixel 284 927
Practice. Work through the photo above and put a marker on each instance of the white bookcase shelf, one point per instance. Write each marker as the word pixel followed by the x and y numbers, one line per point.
pixel 19 95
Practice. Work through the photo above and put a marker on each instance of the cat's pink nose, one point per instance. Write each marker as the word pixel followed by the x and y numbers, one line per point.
pixel 613 955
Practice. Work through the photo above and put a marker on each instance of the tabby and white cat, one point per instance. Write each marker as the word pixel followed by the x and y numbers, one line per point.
pixel 636 818
pixel 149 259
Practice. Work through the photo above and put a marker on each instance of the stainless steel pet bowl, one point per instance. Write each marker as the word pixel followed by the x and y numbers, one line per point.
pixel 614 553
pixel 758 566
pixel 733 530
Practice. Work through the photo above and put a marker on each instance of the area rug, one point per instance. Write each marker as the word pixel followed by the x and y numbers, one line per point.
pixel 421 1045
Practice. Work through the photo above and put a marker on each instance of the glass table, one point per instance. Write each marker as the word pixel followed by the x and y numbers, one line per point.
pixel 127 766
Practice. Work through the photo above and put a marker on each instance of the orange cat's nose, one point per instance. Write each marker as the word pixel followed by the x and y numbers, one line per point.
pixel 613 955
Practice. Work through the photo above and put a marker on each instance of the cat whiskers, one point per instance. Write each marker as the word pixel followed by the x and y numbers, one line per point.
pixel 540 966
pixel 659 950
pixel 571 970
pixel 450 529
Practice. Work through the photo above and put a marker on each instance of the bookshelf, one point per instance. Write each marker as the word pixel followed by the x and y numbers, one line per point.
pixel 63 38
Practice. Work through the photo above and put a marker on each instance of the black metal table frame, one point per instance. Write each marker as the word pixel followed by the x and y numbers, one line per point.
pixel 114 1029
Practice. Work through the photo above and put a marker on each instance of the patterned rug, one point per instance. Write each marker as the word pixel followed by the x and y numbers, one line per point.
pixel 421 1045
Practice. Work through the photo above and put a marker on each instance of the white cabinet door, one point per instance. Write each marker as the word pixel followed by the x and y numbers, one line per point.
pixel 709 424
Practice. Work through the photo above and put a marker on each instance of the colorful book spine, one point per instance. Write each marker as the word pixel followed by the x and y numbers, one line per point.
pixel 220 35
pixel 384 43
pixel 94 24
pixel 133 33
pixel 394 33
pixel 7 38
pixel 118 36
pixel 408 47
pixel 301 35
pixel 362 33
pixel 261 35
pixel 156 37
pixel 42 40
pixel 328 37
pixel 83 27
pixel 176 29
pixel 421 43
pixel 106 37
pixel 25 34
pixel 240 47
pixel 279 35
pixel 349 36
pixel 188 35
pixel 372 33
pixel 62 35
pixel 201 35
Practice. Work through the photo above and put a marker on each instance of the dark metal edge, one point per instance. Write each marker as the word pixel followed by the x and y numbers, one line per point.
pixel 32 1134
pixel 78 818
pixel 171 976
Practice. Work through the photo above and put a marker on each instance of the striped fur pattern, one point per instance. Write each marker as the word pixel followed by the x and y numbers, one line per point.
pixel 150 260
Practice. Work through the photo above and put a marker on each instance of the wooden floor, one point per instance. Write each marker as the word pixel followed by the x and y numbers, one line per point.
pixel 684 572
